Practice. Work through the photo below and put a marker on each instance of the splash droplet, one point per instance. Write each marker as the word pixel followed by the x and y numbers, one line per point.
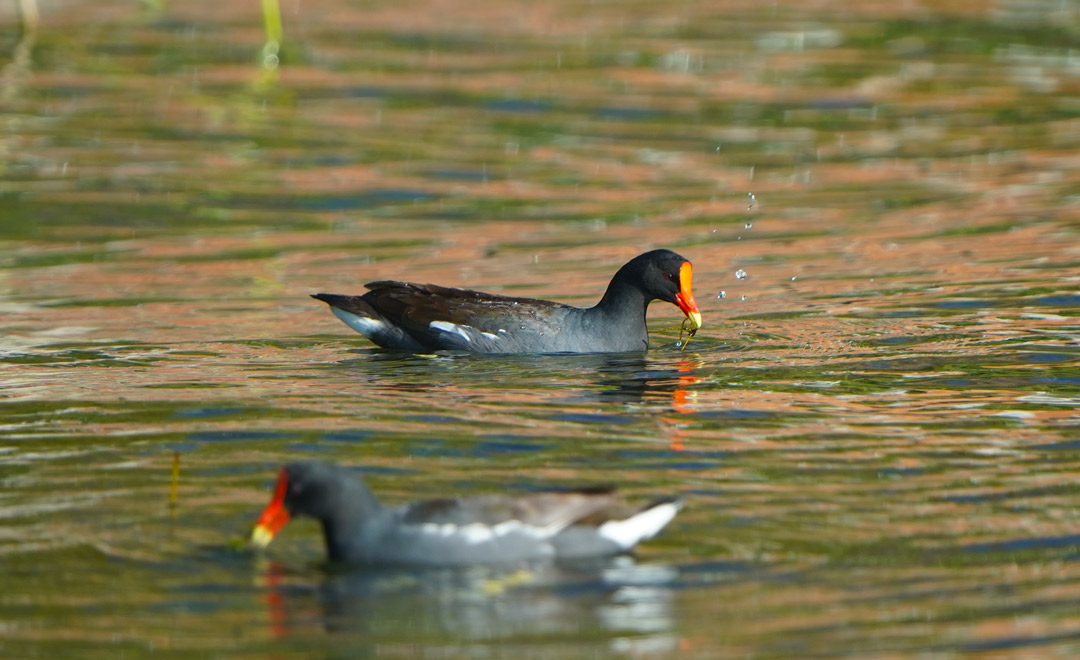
pixel 752 199
pixel 721 295
pixel 743 298
pixel 748 225
pixel 740 274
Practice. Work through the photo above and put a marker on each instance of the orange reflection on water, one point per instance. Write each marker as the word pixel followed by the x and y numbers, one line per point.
pixel 682 403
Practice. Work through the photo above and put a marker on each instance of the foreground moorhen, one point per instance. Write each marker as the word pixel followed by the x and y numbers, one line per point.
pixel 428 317
pixel 491 529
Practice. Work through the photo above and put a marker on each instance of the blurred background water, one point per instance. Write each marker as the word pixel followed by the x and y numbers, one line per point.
pixel 876 431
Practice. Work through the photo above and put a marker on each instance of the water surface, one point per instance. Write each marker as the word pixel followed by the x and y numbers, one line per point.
pixel 876 432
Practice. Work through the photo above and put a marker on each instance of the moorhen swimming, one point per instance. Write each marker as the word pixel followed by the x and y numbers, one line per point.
pixel 428 317
pixel 491 529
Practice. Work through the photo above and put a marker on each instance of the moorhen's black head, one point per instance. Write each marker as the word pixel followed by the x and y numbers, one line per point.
pixel 321 490
pixel 663 275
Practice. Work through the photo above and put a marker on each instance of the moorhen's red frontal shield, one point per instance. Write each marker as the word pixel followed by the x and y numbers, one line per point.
pixel 685 298
pixel 274 516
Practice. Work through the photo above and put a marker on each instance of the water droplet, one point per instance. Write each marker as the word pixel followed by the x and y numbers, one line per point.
pixel 748 225
pixel 792 278
pixel 740 274
pixel 721 295
pixel 752 199
pixel 743 298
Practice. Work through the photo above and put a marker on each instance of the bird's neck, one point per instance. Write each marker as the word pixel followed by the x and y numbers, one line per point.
pixel 622 303
pixel 344 527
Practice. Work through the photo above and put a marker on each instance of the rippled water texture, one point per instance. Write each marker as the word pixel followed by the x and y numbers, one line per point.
pixel 876 431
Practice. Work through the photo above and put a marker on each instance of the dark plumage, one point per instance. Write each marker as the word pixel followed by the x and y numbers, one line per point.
pixel 427 317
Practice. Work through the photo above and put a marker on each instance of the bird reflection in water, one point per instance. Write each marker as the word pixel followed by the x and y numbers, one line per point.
pixel 616 603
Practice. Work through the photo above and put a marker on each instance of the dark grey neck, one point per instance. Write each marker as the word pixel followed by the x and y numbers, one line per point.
pixel 622 301
pixel 622 298
pixel 618 320
pixel 346 521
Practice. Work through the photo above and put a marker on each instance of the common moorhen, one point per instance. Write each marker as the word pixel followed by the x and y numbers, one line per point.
pixel 489 529
pixel 428 317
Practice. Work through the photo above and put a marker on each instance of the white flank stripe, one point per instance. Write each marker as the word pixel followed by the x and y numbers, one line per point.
pixel 474 533
pixel 635 529
pixel 452 328
pixel 362 324
pixel 509 526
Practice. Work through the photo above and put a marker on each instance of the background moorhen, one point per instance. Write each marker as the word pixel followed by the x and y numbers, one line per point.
pixel 428 317
pixel 489 529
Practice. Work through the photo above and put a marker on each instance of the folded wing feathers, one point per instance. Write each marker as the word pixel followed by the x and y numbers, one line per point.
pixel 541 515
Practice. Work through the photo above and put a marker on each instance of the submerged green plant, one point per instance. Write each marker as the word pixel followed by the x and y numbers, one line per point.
pixel 688 331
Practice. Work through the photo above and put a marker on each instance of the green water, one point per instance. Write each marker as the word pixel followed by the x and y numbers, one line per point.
pixel 876 431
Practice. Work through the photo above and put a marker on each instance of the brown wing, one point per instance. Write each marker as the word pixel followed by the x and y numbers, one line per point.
pixel 420 304
pixel 551 511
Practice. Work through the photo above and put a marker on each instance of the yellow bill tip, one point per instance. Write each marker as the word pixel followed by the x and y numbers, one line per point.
pixel 695 320
pixel 261 536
